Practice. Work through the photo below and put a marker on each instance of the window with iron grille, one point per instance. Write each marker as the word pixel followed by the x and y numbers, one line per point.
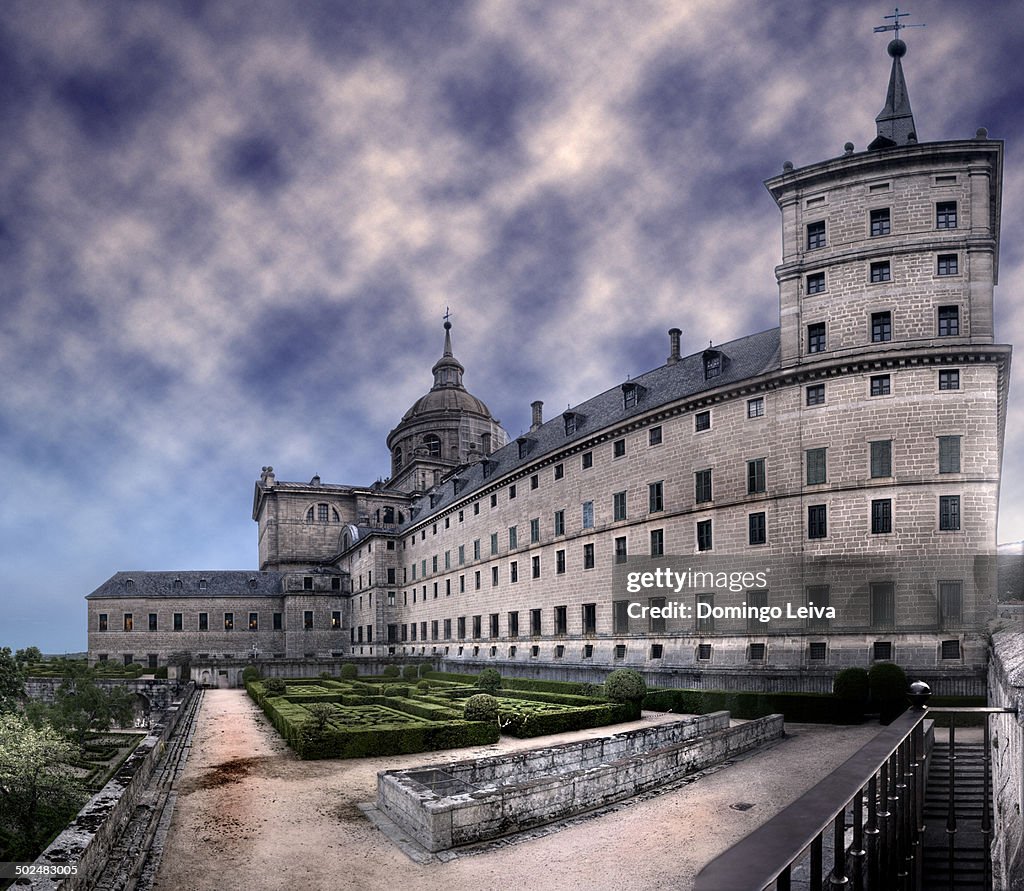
pixel 881 458
pixel 880 385
pixel 881 327
pixel 702 421
pixel 882 651
pixel 755 407
pixel 951 649
pixel 817 521
pixel 757 652
pixel 704 652
pixel 949 454
pixel 620 651
pixel 657 650
pixel 817 651
pixel 881 516
pixel 949 513
pixel 949 380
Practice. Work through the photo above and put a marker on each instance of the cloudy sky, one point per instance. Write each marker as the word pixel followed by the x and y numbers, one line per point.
pixel 229 231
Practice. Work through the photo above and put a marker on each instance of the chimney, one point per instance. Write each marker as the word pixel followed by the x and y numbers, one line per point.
pixel 673 336
pixel 538 414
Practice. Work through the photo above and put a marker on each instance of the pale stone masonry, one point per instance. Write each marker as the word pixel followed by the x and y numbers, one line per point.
pixel 853 454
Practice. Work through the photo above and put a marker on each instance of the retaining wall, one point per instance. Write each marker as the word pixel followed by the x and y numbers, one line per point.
pixel 1006 688
pixel 470 801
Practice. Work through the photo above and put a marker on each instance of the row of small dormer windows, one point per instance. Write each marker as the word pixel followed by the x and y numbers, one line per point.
pixel 881 328
pixel 880 223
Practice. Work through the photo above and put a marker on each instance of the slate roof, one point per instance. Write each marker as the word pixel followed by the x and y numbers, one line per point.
pixel 748 357
pixel 220 583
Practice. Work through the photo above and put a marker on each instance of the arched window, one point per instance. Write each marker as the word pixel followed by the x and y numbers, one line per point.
pixel 433 444
pixel 310 516
pixel 202 584
pixel 129 583
pixel 334 516
pixel 177 583
pixel 398 459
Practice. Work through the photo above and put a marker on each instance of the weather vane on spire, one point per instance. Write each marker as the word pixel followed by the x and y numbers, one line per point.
pixel 895 26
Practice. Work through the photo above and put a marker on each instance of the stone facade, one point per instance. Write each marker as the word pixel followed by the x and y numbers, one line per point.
pixel 852 454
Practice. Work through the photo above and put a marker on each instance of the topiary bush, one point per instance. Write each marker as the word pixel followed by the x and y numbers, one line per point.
pixel 161 673
pixel 851 684
pixel 888 685
pixel 326 675
pixel 625 685
pixel 489 680
pixel 482 707
pixel 275 686
pixel 424 668
pixel 396 690
pixel 250 673
pixel 390 671
pixel 348 671
pixel 410 672
pixel 423 686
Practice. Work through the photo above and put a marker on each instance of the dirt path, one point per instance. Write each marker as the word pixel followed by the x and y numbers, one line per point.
pixel 250 815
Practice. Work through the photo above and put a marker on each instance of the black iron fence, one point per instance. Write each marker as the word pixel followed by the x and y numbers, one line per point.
pixel 861 827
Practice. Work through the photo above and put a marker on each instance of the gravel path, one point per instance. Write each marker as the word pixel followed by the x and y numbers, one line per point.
pixel 250 815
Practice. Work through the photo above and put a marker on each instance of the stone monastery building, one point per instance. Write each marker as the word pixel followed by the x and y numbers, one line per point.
pixel 851 455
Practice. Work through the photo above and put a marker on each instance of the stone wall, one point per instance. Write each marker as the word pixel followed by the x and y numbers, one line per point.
pixel 487 798
pixel 89 838
pixel 158 693
pixel 1006 689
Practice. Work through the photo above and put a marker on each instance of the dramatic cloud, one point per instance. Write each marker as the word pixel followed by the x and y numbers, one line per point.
pixel 228 232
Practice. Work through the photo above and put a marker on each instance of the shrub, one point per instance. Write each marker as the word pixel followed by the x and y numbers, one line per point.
pixel 410 672
pixel 396 690
pixel 161 673
pixel 424 668
pixel 249 673
pixel 326 675
pixel 482 706
pixel 591 691
pixel 625 685
pixel 888 685
pixel 489 680
pixel 390 671
pixel 275 686
pixel 423 686
pixel 361 688
pixel 349 671
pixel 851 685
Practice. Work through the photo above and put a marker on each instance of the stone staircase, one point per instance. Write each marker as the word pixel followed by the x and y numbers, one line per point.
pixel 970 869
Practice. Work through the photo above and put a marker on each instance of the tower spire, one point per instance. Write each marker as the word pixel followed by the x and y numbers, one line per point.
pixel 895 122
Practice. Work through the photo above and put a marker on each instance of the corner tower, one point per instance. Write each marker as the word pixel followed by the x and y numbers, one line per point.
pixel 893 247
pixel 445 428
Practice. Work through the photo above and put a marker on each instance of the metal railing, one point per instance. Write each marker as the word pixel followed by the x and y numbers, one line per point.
pixel 878 793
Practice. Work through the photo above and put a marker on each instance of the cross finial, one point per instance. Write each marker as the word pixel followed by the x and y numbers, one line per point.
pixel 447 314
pixel 895 26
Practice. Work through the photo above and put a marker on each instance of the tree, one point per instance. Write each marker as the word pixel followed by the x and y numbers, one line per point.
pixel 12 680
pixel 39 792
pixel 29 656
pixel 81 705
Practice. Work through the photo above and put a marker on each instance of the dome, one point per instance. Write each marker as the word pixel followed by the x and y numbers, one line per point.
pixel 446 399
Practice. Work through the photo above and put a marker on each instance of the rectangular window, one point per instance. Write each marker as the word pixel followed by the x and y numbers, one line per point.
pixel 559 522
pixel 590 618
pixel 588 556
pixel 461 627
pixel 704 652
pixel 476 580
pixel 513 537
pixel 494 576
pixel 758 601
pixel 307 583
pixel 254 621
pixel 535 481
pixel 948 264
pixel 755 407
pixel 756 652
pixel 817 521
pixel 658 622
pixel 477 627
pixel 657 542
pixel 588 514
pixel 945 215
pixel 756 529
pixel 815 235
pixel 178 623
pixel 619 506
pixel 618 448
pixel 229 621
pixel 493 625
pixel 881 516
pixel 654 436
pixel 434 633
pixel 881 650
pixel 817 650
pixel 494 543
pixel 881 458
pixel 816 394
pixel 559 471
pixel 816 338
pixel 560 562
pixel 705 603
pixel 702 421
pixel 535 622
pixel 476 549
pixel 949 321
pixel 755 476
pixel 620 549
pixel 513 624
pixel 883 604
pixel 494 495
pixel 655 497
pixel 951 604
pixel 880 385
pixel 587 460
pixel 560 620
pixel 950 649
pixel 335 621
pixel 949 454
pixel 881 327
pixel 103 626
pixel 702 486
pixel 880 222
pixel 816 283
pixel 620 617
pixel 204 622
pixel 535 530
pixel 512 488
pixel 949 513
pixel 535 567
pixel 949 380
pixel 881 271
pixel 462 559
pixel 704 541
pixel 818 596
pixel 513 572
pixel 816 466
pixel 307 620
pixel 152 621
